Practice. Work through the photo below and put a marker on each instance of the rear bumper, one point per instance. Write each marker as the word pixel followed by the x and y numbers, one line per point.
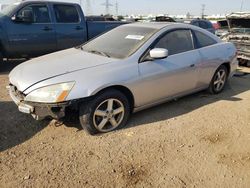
pixel 39 110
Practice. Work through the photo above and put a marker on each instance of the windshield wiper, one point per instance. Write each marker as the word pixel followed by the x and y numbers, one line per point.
pixel 98 52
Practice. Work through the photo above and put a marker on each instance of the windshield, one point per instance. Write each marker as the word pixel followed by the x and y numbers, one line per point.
pixel 9 9
pixel 223 24
pixel 239 23
pixel 120 42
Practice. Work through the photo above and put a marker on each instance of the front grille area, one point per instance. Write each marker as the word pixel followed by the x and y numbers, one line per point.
pixel 16 92
pixel 242 47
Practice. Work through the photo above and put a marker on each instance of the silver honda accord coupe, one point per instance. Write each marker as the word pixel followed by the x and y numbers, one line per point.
pixel 128 69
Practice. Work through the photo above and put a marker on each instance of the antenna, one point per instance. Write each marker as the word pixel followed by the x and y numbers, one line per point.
pixel 107 5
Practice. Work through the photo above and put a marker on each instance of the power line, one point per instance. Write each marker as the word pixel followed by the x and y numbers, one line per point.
pixel 107 5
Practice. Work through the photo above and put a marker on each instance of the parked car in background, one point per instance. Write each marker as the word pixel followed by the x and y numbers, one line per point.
pixel 204 24
pixel 239 26
pixel 100 18
pixel 221 28
pixel 130 68
pixel 164 19
pixel 33 28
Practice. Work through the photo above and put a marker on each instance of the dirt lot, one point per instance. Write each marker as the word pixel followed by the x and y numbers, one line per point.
pixel 198 141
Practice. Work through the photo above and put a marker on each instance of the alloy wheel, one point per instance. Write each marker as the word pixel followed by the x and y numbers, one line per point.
pixel 220 80
pixel 108 115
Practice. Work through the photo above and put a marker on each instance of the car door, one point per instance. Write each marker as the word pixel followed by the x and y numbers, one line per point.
pixel 70 28
pixel 175 75
pixel 32 38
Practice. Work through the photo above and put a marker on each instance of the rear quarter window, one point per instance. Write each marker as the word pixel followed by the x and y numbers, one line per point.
pixel 203 40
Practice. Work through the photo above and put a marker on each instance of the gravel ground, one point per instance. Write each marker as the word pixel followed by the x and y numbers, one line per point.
pixel 198 141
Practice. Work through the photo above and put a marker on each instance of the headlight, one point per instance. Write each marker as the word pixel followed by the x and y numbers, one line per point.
pixel 50 94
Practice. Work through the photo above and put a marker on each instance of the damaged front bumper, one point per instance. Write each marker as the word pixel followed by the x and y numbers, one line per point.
pixel 243 50
pixel 38 110
pixel 242 43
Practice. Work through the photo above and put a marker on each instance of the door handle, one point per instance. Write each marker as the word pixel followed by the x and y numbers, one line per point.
pixel 79 28
pixel 46 28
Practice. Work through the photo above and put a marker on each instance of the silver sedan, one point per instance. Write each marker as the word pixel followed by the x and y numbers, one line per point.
pixel 128 69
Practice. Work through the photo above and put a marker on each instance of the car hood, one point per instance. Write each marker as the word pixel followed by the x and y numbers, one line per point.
pixel 56 64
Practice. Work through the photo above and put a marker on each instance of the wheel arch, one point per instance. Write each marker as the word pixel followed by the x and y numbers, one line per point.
pixel 228 66
pixel 123 89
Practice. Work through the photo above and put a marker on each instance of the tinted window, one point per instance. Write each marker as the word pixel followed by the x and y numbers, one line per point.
pixel 40 13
pixel 176 42
pixel 66 14
pixel 204 40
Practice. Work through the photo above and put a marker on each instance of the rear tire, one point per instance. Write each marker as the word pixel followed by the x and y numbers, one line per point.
pixel 219 80
pixel 107 112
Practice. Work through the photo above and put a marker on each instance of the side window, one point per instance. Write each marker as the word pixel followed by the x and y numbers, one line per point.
pixel 66 14
pixel 203 25
pixel 40 13
pixel 176 42
pixel 204 40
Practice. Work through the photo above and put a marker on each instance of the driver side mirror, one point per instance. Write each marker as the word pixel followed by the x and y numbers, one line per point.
pixel 26 17
pixel 158 53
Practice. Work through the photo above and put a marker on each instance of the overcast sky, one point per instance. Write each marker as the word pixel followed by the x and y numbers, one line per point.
pixel 165 6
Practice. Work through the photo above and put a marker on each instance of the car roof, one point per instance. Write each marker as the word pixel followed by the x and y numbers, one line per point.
pixel 170 25
pixel 47 1
pixel 154 25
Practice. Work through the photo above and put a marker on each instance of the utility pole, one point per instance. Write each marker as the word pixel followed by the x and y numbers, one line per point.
pixel 241 6
pixel 203 6
pixel 107 5
pixel 88 7
pixel 116 8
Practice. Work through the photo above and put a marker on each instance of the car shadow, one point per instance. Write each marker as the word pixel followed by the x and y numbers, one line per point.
pixel 15 127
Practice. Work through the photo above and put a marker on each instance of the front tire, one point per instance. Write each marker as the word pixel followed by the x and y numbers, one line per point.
pixel 107 112
pixel 219 80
